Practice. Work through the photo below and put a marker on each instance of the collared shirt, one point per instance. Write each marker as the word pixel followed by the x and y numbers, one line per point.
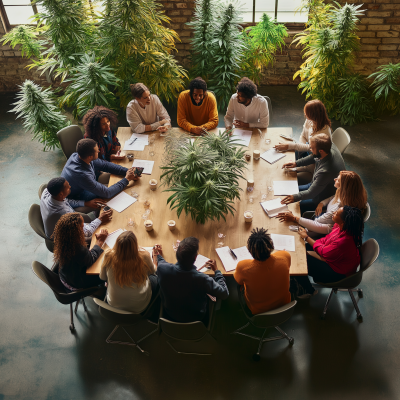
pixel 52 210
pixel 256 114
pixel 151 114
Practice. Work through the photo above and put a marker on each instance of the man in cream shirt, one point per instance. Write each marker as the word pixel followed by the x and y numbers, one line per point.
pixel 145 112
pixel 246 108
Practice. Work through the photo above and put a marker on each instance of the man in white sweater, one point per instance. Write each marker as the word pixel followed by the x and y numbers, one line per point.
pixel 145 112
pixel 246 108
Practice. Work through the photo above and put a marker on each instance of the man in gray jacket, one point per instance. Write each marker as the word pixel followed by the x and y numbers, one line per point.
pixel 328 163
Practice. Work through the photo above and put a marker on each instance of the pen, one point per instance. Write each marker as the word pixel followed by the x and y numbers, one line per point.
pixel 133 141
pixel 232 254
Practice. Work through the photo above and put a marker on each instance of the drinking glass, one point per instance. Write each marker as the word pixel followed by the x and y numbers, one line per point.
pixel 130 221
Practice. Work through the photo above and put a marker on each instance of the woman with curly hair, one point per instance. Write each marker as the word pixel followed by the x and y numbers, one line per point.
pixel 72 255
pixel 130 275
pixel 97 123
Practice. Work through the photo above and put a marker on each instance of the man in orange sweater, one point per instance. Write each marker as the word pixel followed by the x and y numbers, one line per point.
pixel 197 108
pixel 266 279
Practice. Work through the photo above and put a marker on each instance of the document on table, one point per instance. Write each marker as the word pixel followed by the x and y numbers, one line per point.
pixel 274 207
pixel 272 156
pixel 121 202
pixel 285 188
pixel 146 164
pixel 140 137
pixel 229 261
pixel 112 238
pixel 243 137
pixel 283 242
pixel 136 145
pixel 200 261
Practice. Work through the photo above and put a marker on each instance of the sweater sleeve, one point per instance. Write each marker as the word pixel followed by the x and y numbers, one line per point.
pixel 305 161
pixel 134 120
pixel 103 270
pixel 330 251
pixel 212 113
pixel 91 256
pixel 182 113
pixel 76 203
pixel 230 114
pixel 315 226
pixel 317 186
pixel 217 286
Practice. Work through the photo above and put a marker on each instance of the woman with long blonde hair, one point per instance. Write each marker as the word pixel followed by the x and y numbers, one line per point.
pixel 130 275
pixel 350 191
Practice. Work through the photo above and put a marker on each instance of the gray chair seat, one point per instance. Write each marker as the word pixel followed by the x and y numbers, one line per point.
pixel 69 138
pixel 36 223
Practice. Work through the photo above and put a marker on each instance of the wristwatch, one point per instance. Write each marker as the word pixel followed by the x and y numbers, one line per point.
pixel 305 239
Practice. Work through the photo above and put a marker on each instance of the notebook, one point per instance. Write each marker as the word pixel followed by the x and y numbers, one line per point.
pixel 274 207
pixel 229 261
pixel 272 156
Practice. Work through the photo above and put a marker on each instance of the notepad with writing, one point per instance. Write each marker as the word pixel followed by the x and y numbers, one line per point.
pixel 272 156
pixel 121 202
pixel 274 207
pixel 229 262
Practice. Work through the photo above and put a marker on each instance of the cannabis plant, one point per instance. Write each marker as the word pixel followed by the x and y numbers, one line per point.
pixel 90 86
pixel 386 86
pixel 203 176
pixel 37 108
pixel 27 37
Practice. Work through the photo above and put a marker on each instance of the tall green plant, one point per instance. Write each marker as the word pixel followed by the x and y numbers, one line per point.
pixel 386 86
pixel 27 37
pixel 37 108
pixel 204 176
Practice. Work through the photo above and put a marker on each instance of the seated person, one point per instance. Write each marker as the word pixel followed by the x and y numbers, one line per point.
pixel 130 275
pixel 265 279
pixel 197 108
pixel 97 123
pixel 145 112
pixel 54 204
pixel 81 168
pixel 328 163
pixel 339 251
pixel 183 289
pixel 350 191
pixel 246 108
pixel 73 256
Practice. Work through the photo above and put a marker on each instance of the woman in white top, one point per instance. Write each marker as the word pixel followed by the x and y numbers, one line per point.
pixel 350 192
pixel 129 272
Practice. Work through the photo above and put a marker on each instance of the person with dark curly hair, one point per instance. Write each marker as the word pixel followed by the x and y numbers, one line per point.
pixel 197 108
pixel 266 278
pixel 72 255
pixel 246 108
pixel 336 255
pixel 97 123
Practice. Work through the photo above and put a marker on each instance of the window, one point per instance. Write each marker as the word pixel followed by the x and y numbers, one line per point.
pixel 17 12
pixel 281 10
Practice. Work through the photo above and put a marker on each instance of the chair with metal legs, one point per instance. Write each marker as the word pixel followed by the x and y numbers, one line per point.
pixel 62 294
pixel 124 319
pixel 369 253
pixel 266 320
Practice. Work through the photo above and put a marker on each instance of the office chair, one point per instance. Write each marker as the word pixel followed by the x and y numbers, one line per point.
pixel 41 189
pixel 341 139
pixel 269 319
pixel 36 223
pixel 69 137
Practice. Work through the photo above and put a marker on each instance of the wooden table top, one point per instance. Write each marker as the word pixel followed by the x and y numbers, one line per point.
pixel 235 228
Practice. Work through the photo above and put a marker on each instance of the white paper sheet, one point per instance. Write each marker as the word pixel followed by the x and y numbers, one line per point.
pixel 139 137
pixel 285 188
pixel 149 250
pixel 121 202
pixel 137 145
pixel 283 242
pixel 274 207
pixel 227 259
pixel 112 238
pixel 272 156
pixel 146 164
pixel 200 261
pixel 242 136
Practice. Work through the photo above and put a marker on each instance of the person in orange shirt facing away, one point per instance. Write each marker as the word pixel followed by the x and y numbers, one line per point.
pixel 197 108
pixel 266 279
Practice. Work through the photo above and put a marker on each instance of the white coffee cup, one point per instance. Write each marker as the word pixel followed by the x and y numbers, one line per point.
pixel 148 224
pixel 171 224
pixel 248 216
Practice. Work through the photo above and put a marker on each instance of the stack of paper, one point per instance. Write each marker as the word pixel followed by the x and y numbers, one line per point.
pixel 229 261
pixel 136 142
pixel 146 164
pixel 242 137
pixel 283 242
pixel 121 202
pixel 274 207
pixel 200 261
pixel 272 156
pixel 112 238
pixel 285 188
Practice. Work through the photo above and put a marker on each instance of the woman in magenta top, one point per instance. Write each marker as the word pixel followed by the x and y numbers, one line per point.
pixel 339 251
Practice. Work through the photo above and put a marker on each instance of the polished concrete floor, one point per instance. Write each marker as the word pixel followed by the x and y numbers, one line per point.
pixel 336 358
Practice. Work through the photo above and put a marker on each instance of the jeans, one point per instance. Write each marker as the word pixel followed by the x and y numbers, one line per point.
pixel 309 204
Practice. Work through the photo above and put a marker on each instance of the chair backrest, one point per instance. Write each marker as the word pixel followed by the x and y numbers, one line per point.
pixel 69 137
pixel 274 317
pixel 369 253
pixel 190 331
pixel 41 188
pixel 366 213
pixel 341 139
pixel 269 106
pixel 36 221
pixel 116 315
pixel 52 280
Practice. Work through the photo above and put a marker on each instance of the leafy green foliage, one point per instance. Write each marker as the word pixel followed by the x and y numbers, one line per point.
pixel 41 116
pixel 386 86
pixel 26 36
pixel 204 176
pixel 90 86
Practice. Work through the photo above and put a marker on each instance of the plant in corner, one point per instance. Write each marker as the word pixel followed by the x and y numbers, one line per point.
pixel 203 177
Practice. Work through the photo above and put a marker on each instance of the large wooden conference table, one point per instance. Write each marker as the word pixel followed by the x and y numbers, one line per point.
pixel 235 229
